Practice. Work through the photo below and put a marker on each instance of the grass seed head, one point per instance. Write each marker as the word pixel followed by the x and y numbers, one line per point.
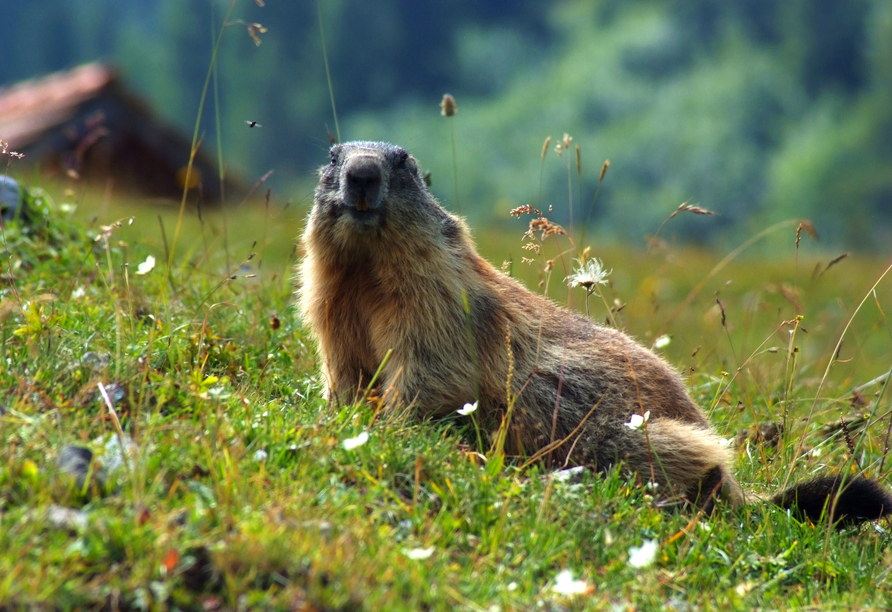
pixel 685 207
pixel 448 107
pixel 526 209
pixel 546 227
pixel 254 31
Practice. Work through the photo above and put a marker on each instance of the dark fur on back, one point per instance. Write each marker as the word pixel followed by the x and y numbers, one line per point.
pixel 386 268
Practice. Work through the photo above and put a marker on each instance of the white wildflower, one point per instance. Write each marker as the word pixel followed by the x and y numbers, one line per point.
pixel 419 553
pixel 565 584
pixel 745 587
pixel 662 341
pixel 146 266
pixel 468 408
pixel 637 421
pixel 351 443
pixel 588 274
pixel 78 293
pixel 644 555
pixel 260 455
pixel 569 474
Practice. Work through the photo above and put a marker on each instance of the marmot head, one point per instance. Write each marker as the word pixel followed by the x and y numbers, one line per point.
pixel 370 191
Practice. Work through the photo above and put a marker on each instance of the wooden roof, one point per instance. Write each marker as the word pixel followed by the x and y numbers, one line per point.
pixel 29 108
pixel 85 123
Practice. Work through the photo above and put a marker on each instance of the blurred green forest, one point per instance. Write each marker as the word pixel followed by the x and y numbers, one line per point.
pixel 758 110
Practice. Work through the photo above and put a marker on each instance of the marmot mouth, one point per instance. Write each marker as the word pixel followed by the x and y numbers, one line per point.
pixel 365 215
pixel 362 203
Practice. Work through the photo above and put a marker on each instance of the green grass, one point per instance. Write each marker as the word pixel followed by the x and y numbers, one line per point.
pixel 241 495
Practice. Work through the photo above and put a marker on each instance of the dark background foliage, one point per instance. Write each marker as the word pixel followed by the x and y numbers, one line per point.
pixel 757 109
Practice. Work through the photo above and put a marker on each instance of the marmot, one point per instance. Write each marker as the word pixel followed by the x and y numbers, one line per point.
pixel 386 268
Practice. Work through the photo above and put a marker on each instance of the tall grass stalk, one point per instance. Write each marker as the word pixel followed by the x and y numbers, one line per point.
pixel 195 141
pixel 334 110
pixel 4 149
pixel 830 362
pixel 578 179
pixel 790 373
pixel 221 167
pixel 542 169
pixel 448 108
pixel 591 208
pixel 570 195
pixel 454 164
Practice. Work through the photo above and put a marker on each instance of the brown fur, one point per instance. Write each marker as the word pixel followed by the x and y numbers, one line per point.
pixel 387 268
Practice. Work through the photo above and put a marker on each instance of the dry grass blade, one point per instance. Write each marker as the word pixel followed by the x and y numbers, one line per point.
pixel 697 210
pixel 832 263
pixel 826 374
pixel 683 207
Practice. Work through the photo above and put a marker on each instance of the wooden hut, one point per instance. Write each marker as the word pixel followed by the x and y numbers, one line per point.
pixel 84 123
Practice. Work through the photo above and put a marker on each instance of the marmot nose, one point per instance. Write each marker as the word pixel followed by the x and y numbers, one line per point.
pixel 363 174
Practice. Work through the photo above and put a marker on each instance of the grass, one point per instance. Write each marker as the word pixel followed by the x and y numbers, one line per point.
pixel 240 494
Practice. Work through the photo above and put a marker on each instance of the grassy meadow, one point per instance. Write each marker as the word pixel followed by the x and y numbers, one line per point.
pixel 164 444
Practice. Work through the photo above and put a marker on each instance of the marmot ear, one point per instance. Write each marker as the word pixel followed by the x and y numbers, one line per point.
pixel 401 160
pixel 409 163
pixel 333 154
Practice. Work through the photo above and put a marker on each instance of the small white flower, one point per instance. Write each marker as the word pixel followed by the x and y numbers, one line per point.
pixel 637 421
pixel 260 456
pixel 351 443
pixel 644 555
pixel 745 587
pixel 564 584
pixel 662 341
pixel 419 553
pixel 726 441
pixel 468 408
pixel 146 266
pixel 512 586
pixel 78 293
pixel 569 474
pixel 588 274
